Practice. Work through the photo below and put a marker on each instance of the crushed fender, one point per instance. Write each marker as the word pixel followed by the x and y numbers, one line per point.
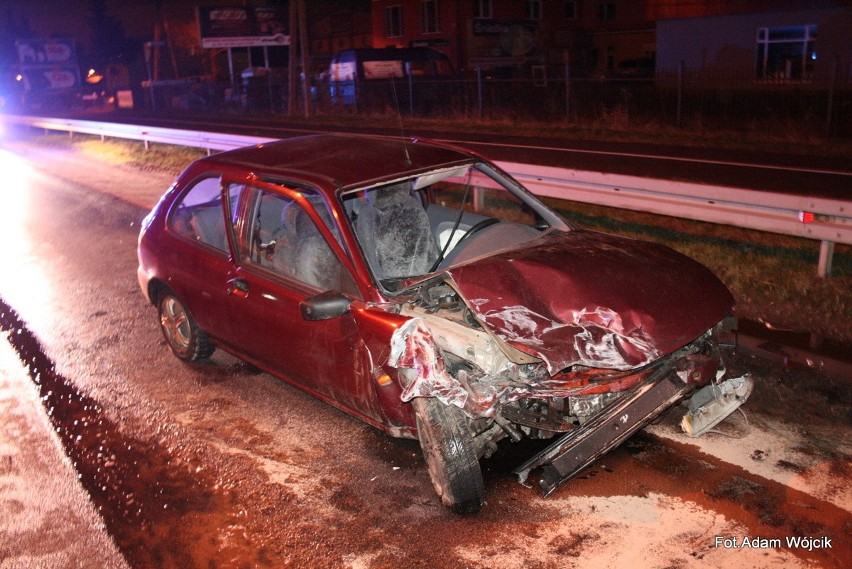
pixel 412 346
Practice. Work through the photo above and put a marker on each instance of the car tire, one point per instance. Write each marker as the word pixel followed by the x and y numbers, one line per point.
pixel 183 335
pixel 448 449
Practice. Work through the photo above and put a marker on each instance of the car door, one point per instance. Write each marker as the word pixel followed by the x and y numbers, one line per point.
pixel 200 257
pixel 283 259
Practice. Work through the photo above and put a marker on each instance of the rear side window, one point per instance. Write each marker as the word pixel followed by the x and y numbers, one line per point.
pixel 199 214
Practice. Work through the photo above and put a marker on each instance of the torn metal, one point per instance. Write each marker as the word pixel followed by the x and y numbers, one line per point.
pixel 529 343
pixel 413 347
pixel 447 355
pixel 581 298
pixel 630 411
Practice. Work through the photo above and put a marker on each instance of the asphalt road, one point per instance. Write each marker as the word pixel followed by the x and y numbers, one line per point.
pixel 759 169
pixel 221 465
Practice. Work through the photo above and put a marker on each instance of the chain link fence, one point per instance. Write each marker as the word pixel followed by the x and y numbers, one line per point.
pixel 816 108
pixel 689 100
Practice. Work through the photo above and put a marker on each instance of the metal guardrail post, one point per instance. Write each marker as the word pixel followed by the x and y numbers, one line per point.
pixel 826 258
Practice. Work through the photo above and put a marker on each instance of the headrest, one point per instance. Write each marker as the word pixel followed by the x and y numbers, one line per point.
pixel 383 198
pixel 294 218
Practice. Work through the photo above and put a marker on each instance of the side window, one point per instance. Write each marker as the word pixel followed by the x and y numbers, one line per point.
pixel 198 215
pixel 285 240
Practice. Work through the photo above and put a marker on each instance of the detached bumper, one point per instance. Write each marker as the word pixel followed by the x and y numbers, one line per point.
pixel 667 384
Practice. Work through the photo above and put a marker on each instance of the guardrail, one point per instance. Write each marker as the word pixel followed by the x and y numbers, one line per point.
pixel 826 220
pixel 147 134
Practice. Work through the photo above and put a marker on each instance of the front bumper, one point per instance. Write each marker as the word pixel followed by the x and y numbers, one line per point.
pixel 670 381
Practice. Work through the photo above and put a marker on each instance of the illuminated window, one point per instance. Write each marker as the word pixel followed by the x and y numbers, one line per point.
pixel 786 53
pixel 393 21
pixel 429 17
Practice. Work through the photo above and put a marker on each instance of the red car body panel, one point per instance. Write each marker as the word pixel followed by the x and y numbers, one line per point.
pixel 593 299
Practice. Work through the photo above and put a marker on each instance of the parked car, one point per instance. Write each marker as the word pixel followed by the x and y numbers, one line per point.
pixel 350 69
pixel 421 289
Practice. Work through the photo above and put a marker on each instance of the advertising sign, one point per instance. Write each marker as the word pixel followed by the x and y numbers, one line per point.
pixel 48 65
pixel 382 69
pixel 243 26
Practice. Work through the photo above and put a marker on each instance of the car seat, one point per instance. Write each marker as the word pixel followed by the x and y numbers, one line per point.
pixel 395 233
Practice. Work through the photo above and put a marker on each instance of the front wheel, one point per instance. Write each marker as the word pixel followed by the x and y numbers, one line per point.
pixel 186 340
pixel 448 449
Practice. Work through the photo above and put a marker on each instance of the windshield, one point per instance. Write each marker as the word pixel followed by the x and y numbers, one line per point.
pixel 411 227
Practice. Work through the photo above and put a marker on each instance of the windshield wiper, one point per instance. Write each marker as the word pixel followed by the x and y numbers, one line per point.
pixel 456 224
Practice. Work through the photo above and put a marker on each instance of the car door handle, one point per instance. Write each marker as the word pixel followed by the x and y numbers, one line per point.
pixel 238 287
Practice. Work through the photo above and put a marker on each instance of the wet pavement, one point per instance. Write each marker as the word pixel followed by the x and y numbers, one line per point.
pixel 46 516
pixel 142 489
pixel 218 465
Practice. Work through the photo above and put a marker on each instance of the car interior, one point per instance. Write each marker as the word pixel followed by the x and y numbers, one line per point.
pixel 412 227
pixel 286 240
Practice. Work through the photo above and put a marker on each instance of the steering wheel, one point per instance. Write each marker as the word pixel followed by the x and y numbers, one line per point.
pixel 464 242
pixel 482 224
pixel 477 227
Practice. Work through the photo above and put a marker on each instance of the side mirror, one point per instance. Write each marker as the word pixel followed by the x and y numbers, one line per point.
pixel 324 306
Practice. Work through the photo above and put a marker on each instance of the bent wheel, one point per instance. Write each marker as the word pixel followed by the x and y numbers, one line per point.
pixel 448 450
pixel 186 340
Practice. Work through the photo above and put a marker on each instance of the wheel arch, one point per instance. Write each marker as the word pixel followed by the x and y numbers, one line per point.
pixel 156 288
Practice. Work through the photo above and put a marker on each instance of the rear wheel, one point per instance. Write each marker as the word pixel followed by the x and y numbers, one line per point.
pixel 448 450
pixel 186 340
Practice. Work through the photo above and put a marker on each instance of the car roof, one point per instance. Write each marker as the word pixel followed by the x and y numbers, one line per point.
pixel 331 161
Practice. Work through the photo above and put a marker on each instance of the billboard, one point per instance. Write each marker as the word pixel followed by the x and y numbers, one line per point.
pixel 243 26
pixel 48 65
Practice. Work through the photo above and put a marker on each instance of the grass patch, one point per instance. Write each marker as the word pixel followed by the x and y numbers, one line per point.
pixel 773 277
pixel 609 126
pixel 157 157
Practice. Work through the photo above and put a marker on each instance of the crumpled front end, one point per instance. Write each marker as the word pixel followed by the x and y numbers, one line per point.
pixel 586 411
pixel 476 371
pixel 548 354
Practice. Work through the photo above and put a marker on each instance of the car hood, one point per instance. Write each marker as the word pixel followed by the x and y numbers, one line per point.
pixel 592 299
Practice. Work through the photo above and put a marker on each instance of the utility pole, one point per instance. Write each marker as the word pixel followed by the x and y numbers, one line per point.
pixel 291 63
pixel 298 41
pixel 306 70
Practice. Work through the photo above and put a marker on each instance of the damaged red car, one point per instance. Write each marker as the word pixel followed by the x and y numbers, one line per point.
pixel 424 291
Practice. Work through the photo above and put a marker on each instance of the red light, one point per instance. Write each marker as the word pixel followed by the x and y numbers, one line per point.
pixel 806 216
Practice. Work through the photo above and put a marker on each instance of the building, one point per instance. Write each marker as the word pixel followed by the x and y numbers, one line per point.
pixel 597 37
pixel 806 43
